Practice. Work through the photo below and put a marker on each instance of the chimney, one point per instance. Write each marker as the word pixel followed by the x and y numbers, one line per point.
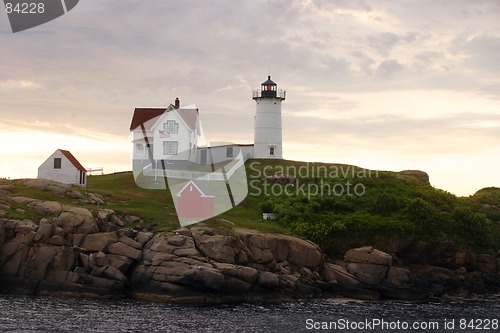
pixel 177 103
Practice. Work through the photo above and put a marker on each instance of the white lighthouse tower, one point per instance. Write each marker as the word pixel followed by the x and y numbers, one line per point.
pixel 267 140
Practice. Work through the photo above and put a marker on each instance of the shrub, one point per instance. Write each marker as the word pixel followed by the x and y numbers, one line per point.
pixel 473 227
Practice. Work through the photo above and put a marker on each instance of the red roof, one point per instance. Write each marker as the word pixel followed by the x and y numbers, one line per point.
pixel 73 160
pixel 143 115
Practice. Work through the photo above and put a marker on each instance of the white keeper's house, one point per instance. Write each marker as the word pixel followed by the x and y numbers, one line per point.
pixel 63 167
pixel 172 138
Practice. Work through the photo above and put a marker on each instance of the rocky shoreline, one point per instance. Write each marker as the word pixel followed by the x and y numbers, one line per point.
pixel 77 252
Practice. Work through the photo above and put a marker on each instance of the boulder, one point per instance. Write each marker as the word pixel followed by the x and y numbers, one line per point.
pixel 57 189
pixel 186 252
pixel 209 277
pixel 74 194
pixel 257 244
pixel 398 276
pixel 367 278
pixel 376 271
pixel 279 246
pixel 12 255
pixel 418 175
pixel 174 272
pixel 96 242
pixel 42 184
pixel 25 226
pixel 143 237
pixel 157 258
pixel 216 247
pixel 466 259
pixel 131 218
pixel 487 263
pixel 361 254
pixel 288 281
pixel 335 273
pixel 114 274
pixel 95 199
pixel 105 214
pixel 177 240
pixel 43 257
pixel 380 258
pixel 183 231
pixel 130 242
pixel 84 212
pixel 78 221
pixel 65 259
pixel 46 208
pixel 44 231
pixel 244 273
pixel 123 249
pixel 57 240
pixel 304 253
pixel 22 200
pixel 236 286
pixel 117 221
pixel 268 279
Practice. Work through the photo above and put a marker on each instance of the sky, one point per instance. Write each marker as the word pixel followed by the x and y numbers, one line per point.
pixel 388 85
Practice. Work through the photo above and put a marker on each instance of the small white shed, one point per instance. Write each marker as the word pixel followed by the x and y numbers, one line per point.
pixel 63 167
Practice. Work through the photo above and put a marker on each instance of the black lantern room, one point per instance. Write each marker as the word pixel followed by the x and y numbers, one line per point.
pixel 268 88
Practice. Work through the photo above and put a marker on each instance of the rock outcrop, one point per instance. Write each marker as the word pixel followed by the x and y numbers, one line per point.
pixel 73 251
pixel 421 176
pixel 69 250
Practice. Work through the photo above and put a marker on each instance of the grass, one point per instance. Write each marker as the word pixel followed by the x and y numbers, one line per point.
pixel 122 195
pixel 381 208
pixel 156 205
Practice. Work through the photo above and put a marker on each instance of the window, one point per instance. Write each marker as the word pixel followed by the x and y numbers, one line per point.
pixel 170 147
pixel 271 151
pixel 82 177
pixel 171 127
pixel 57 163
pixel 229 152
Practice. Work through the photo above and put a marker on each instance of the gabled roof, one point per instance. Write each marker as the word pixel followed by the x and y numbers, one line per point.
pixel 189 116
pixel 143 115
pixel 204 190
pixel 73 160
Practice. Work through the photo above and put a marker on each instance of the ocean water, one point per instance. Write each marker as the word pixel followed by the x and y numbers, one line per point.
pixel 50 314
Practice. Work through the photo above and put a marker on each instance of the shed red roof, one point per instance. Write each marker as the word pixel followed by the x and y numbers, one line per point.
pixel 73 160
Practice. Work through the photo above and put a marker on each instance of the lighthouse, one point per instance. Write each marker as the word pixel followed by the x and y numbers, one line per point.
pixel 267 139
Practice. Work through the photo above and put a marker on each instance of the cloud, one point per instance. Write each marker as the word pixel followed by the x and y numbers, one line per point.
pixel 384 42
pixel 354 71
pixel 389 68
pixel 482 54
pixel 20 84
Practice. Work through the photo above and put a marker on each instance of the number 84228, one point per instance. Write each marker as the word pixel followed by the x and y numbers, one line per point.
pixel 25 8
